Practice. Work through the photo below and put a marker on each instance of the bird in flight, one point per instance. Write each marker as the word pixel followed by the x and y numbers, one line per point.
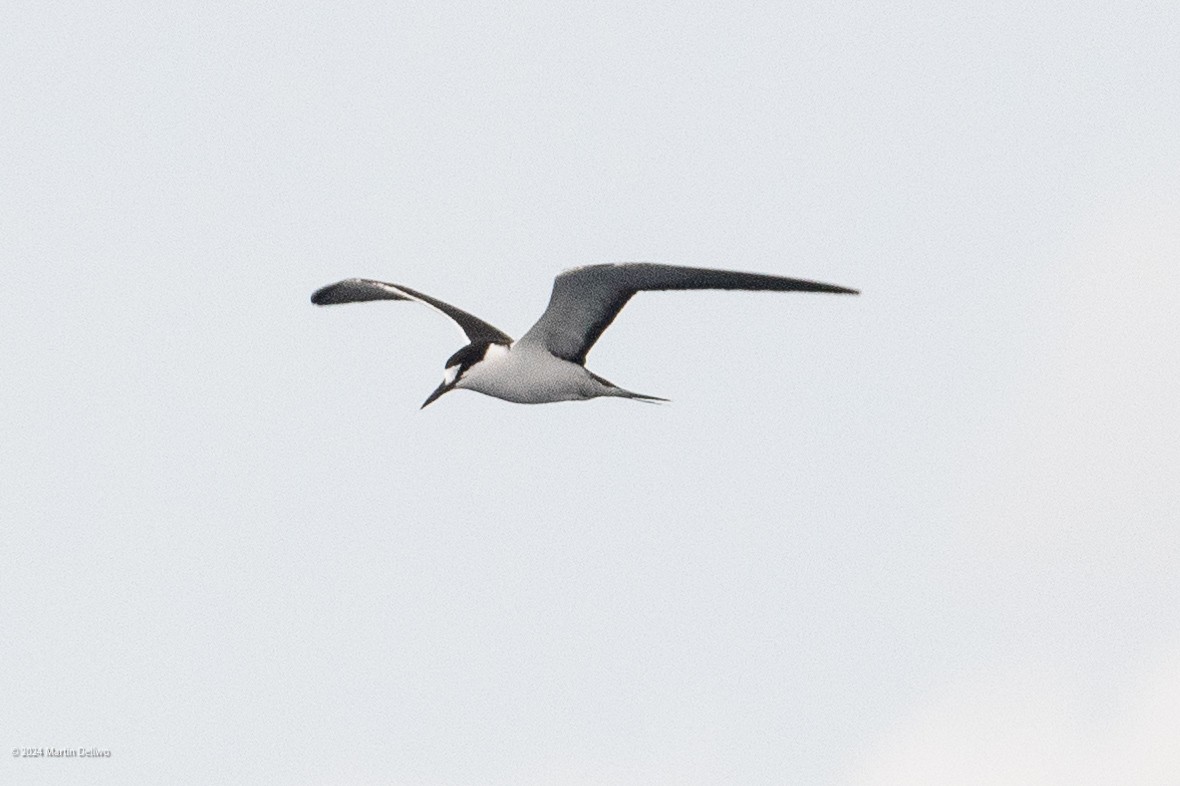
pixel 548 363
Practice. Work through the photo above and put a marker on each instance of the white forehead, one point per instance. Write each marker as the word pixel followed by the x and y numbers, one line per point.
pixel 495 351
pixel 450 374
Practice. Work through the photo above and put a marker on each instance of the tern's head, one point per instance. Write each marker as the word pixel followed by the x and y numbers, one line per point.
pixel 461 363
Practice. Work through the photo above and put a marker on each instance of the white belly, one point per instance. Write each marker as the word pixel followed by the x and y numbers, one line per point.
pixel 530 376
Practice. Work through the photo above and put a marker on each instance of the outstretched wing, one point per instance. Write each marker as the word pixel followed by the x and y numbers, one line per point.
pixel 353 290
pixel 586 300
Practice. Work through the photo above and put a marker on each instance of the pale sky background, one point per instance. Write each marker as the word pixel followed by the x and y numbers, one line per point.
pixel 926 535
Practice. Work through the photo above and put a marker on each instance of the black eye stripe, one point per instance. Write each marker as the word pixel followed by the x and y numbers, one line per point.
pixel 469 355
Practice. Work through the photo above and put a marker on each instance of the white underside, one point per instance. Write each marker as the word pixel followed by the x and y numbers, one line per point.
pixel 526 374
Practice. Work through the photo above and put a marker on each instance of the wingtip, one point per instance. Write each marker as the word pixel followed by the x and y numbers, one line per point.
pixel 333 294
pixel 323 295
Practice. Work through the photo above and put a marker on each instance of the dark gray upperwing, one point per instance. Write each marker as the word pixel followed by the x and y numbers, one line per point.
pixel 354 290
pixel 586 300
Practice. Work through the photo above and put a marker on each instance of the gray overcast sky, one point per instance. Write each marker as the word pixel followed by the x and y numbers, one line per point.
pixel 926 535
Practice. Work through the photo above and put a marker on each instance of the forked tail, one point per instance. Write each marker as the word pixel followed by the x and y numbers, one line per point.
pixel 642 397
pixel 615 390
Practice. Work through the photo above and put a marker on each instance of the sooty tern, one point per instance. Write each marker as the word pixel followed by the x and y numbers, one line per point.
pixel 548 362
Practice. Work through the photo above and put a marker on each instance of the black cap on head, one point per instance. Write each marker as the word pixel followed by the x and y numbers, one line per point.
pixel 462 360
